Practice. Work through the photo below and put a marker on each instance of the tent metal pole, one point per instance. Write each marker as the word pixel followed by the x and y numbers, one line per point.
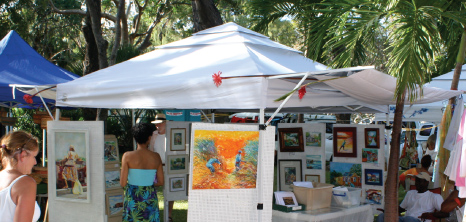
pixel 133 122
pixel 45 105
pixel 261 116
pixel 206 117
pixel 44 149
pixel 57 114
pixel 286 100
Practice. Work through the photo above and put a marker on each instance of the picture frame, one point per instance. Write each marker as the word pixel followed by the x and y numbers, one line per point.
pixel 178 139
pixel 291 139
pixel 114 203
pixel 374 196
pixel 314 162
pixel 178 164
pixel 370 155
pixel 373 177
pixel 289 172
pixel 346 174
pixel 312 178
pixel 314 139
pixel 70 151
pixel 111 153
pixel 344 142
pixel 177 184
pixel 112 177
pixel 372 137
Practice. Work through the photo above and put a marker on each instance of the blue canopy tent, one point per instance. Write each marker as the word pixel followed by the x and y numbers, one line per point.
pixel 20 64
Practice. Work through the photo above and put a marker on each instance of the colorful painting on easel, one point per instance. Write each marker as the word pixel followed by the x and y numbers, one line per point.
pixel 225 159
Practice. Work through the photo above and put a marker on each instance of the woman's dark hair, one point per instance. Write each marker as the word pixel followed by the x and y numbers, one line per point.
pixel 142 132
pixel 426 161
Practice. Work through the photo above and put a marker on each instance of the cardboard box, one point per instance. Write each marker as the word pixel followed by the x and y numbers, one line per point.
pixel 314 198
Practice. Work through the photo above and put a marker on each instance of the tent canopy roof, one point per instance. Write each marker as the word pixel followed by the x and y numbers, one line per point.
pixel 21 64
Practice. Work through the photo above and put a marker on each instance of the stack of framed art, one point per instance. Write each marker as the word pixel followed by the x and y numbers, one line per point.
pixel 113 191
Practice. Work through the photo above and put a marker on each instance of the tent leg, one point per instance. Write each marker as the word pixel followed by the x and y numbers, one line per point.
pixel 206 117
pixel 44 142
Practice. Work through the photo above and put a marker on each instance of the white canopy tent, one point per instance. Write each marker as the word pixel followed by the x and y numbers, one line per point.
pixel 431 112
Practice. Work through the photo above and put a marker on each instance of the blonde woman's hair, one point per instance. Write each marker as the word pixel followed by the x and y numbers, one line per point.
pixel 13 144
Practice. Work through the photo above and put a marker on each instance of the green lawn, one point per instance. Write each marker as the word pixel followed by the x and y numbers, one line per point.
pixel 180 208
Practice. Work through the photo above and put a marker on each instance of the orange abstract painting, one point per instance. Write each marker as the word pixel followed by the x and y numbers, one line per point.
pixel 225 159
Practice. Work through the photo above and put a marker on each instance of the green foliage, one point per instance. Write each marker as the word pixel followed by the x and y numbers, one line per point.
pixel 25 122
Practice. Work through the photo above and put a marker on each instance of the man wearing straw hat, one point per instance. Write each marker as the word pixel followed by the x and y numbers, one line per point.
pixel 158 144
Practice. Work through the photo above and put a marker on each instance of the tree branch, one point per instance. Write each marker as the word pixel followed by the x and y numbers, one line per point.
pixel 78 12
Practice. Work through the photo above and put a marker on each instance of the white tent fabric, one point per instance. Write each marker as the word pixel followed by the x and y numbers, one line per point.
pixel 179 76
pixel 431 112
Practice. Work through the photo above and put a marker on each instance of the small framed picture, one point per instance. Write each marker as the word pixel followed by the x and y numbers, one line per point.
pixel 178 139
pixel 370 155
pixel 114 202
pixel 371 137
pixel 314 162
pixel 111 149
pixel 312 178
pixel 291 139
pixel 374 196
pixel 177 184
pixel 313 139
pixel 344 144
pixel 373 177
pixel 112 177
pixel 178 164
pixel 289 172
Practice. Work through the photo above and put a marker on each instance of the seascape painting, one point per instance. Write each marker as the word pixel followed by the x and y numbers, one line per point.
pixel 115 204
pixel 313 139
pixel 345 174
pixel 225 159
pixel 314 162
pixel 112 178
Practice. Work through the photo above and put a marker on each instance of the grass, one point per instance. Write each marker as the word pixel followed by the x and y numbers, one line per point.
pixel 180 208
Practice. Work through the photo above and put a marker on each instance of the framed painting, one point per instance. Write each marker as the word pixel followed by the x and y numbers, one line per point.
pixel 313 139
pixel 373 177
pixel 224 159
pixel 314 162
pixel 178 139
pixel 312 178
pixel 344 144
pixel 346 174
pixel 112 177
pixel 291 139
pixel 111 149
pixel 177 184
pixel 178 164
pixel 114 203
pixel 71 151
pixel 289 172
pixel 374 196
pixel 372 137
pixel 370 155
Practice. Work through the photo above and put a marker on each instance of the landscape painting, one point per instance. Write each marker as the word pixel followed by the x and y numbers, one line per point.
pixel 370 155
pixel 373 196
pixel 225 159
pixel 373 177
pixel 291 139
pixel 314 162
pixel 313 139
pixel 345 174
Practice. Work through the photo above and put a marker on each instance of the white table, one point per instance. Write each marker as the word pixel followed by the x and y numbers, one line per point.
pixel 362 213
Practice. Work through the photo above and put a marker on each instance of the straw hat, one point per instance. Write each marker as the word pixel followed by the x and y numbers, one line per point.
pixel 159 118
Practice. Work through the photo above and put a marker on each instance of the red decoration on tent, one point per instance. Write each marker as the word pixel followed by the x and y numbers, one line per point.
pixel 302 91
pixel 27 98
pixel 217 78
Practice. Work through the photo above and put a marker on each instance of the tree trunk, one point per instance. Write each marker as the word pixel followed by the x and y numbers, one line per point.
pixel 391 184
pixel 94 9
pixel 300 118
pixel 116 44
pixel 91 61
pixel 205 15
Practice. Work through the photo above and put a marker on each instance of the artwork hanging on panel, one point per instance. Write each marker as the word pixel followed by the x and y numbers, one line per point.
pixel 371 137
pixel 313 139
pixel 225 159
pixel 370 155
pixel 314 162
pixel 312 178
pixel 289 171
pixel 373 196
pixel 112 177
pixel 178 164
pixel 344 144
pixel 111 149
pixel 291 139
pixel 373 177
pixel 345 174
pixel 178 139
pixel 177 184
pixel 114 200
pixel 71 151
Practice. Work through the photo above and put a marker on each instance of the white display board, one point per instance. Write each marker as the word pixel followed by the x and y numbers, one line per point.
pixel 309 149
pixel 237 204
pixel 68 207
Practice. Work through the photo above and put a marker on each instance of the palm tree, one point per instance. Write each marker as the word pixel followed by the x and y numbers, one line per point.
pixel 344 33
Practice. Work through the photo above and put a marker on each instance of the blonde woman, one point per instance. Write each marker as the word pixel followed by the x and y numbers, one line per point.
pixel 18 151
